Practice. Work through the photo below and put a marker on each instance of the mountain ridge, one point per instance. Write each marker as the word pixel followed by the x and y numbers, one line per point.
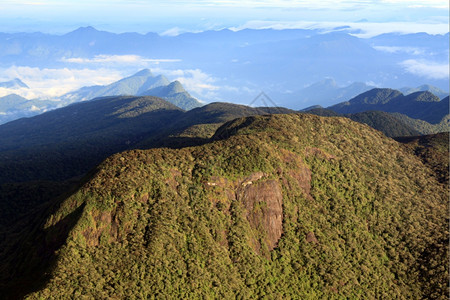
pixel 419 105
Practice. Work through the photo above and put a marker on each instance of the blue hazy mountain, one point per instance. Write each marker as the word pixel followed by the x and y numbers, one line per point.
pixel 132 85
pixel 13 107
pixel 139 84
pixel 325 92
pixel 425 87
pixel 16 83
pixel 174 93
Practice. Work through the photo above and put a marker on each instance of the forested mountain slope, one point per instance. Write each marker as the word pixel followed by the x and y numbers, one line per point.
pixel 278 206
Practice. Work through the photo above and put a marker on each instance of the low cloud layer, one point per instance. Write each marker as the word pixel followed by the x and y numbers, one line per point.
pixel 359 29
pixel 200 84
pixel 118 60
pixel 427 69
pixel 394 49
pixel 49 83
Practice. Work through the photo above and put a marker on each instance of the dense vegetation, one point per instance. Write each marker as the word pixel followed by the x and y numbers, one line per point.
pixel 278 206
pixel 68 142
pixel 424 127
pixel 433 150
pixel 391 124
pixel 384 122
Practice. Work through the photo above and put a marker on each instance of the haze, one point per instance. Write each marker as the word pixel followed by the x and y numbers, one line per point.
pixel 340 45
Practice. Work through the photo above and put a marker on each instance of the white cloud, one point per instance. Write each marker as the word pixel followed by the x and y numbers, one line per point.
pixel 237 3
pixel 364 29
pixel 200 84
pixel 49 83
pixel 426 69
pixel 393 49
pixel 442 4
pixel 118 60
pixel 172 32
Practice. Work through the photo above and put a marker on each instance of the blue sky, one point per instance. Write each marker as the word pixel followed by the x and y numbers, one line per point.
pixel 177 15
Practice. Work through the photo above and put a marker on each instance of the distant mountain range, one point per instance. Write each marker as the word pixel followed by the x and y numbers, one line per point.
pixel 243 63
pixel 327 92
pixel 418 105
pixel 426 87
pixel 13 107
pixel 139 84
pixel 392 112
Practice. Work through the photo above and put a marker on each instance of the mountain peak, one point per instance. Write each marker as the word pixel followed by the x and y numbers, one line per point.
pixel 86 29
pixel 20 83
pixel 16 83
pixel 424 96
pixel 377 96
pixel 176 87
pixel 144 72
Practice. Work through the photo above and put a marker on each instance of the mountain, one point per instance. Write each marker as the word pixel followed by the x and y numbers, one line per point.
pixel 175 93
pixel 433 150
pixel 13 107
pixel 198 125
pixel 418 105
pixel 325 92
pixel 384 122
pixel 389 124
pixel 426 87
pixel 16 83
pixel 67 142
pixel 44 156
pixel 83 134
pixel 12 102
pixel 241 62
pixel 139 84
pixel 277 206
pixel 424 127
pixel 143 83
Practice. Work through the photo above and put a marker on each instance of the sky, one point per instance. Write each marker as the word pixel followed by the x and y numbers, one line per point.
pixel 175 16
pixel 172 17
